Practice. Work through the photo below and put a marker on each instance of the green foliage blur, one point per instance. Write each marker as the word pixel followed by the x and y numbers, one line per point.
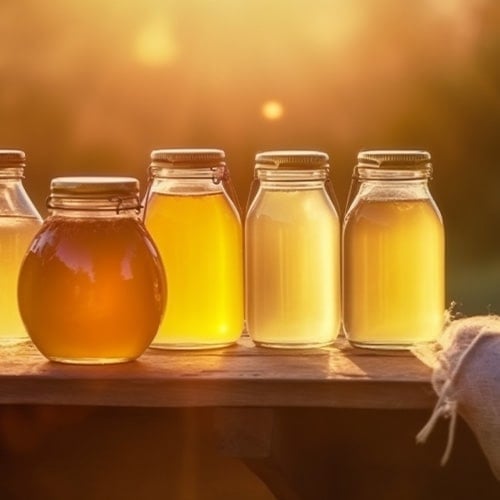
pixel 92 87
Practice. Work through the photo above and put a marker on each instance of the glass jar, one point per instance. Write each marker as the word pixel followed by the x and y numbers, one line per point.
pixel 196 225
pixel 92 288
pixel 19 222
pixel 393 253
pixel 292 243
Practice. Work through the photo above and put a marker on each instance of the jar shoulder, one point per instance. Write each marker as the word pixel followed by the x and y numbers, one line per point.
pixel 305 203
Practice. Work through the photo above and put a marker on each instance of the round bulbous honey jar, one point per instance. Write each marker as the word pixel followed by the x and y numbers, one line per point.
pixel 92 288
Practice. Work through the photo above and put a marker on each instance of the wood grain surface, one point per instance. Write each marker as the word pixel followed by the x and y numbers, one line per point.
pixel 337 376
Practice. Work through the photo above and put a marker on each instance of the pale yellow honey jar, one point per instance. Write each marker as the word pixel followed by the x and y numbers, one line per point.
pixel 393 253
pixel 19 222
pixel 292 242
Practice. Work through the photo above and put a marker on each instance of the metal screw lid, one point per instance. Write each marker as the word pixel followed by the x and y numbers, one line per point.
pixel 187 158
pixel 291 160
pixel 12 158
pixel 95 187
pixel 394 159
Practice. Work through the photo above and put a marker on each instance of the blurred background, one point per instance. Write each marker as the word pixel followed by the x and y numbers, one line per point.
pixel 92 87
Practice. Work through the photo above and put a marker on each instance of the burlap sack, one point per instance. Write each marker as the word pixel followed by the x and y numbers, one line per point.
pixel 466 378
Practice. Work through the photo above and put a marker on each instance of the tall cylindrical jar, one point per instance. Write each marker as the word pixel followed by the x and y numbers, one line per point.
pixel 393 253
pixel 92 287
pixel 292 242
pixel 19 222
pixel 196 225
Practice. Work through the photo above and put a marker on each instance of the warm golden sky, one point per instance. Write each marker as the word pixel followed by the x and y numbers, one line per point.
pixel 92 86
pixel 239 73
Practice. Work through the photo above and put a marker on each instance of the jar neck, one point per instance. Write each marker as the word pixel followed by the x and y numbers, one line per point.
pixel 11 174
pixel 393 183
pixel 188 181
pixel 384 189
pixel 391 175
pixel 216 174
pixel 94 207
pixel 292 179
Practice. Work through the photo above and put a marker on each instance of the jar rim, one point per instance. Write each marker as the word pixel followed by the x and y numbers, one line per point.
pixel 291 160
pixel 187 157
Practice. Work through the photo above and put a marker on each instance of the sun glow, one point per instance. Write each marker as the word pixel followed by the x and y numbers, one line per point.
pixel 272 110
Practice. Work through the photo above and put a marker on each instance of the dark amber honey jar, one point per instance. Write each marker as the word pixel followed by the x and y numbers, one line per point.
pixel 92 287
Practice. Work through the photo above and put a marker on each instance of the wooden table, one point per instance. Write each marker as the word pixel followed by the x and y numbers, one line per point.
pixel 239 377
pixel 285 413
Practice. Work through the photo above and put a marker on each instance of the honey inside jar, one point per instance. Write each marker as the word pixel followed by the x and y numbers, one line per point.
pixel 91 289
pixel 394 272
pixel 293 273
pixel 16 234
pixel 204 272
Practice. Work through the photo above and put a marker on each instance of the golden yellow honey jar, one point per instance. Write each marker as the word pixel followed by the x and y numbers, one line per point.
pixel 195 223
pixel 393 253
pixel 92 287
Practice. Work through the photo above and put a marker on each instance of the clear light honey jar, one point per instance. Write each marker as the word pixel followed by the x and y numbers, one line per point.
pixel 92 287
pixel 292 243
pixel 19 222
pixel 393 253
pixel 195 223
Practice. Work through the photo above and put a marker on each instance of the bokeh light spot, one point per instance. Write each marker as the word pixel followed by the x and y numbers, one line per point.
pixel 272 110
pixel 154 45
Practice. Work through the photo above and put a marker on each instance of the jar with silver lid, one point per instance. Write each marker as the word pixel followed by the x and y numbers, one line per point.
pixel 92 288
pixel 292 243
pixel 191 212
pixel 19 222
pixel 393 252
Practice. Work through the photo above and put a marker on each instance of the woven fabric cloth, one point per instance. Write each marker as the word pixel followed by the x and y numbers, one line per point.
pixel 466 378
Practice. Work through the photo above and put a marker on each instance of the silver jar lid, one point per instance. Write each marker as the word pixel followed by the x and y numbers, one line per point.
pixel 95 187
pixel 394 159
pixel 398 164
pixel 12 158
pixel 187 158
pixel 291 160
pixel 94 194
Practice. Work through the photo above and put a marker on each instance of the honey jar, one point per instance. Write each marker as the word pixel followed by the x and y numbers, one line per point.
pixel 192 215
pixel 19 222
pixel 292 243
pixel 92 288
pixel 393 258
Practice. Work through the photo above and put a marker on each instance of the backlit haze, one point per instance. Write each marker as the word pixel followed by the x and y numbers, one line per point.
pixel 92 87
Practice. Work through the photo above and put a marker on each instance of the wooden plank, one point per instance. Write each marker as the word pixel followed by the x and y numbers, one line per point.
pixel 239 376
